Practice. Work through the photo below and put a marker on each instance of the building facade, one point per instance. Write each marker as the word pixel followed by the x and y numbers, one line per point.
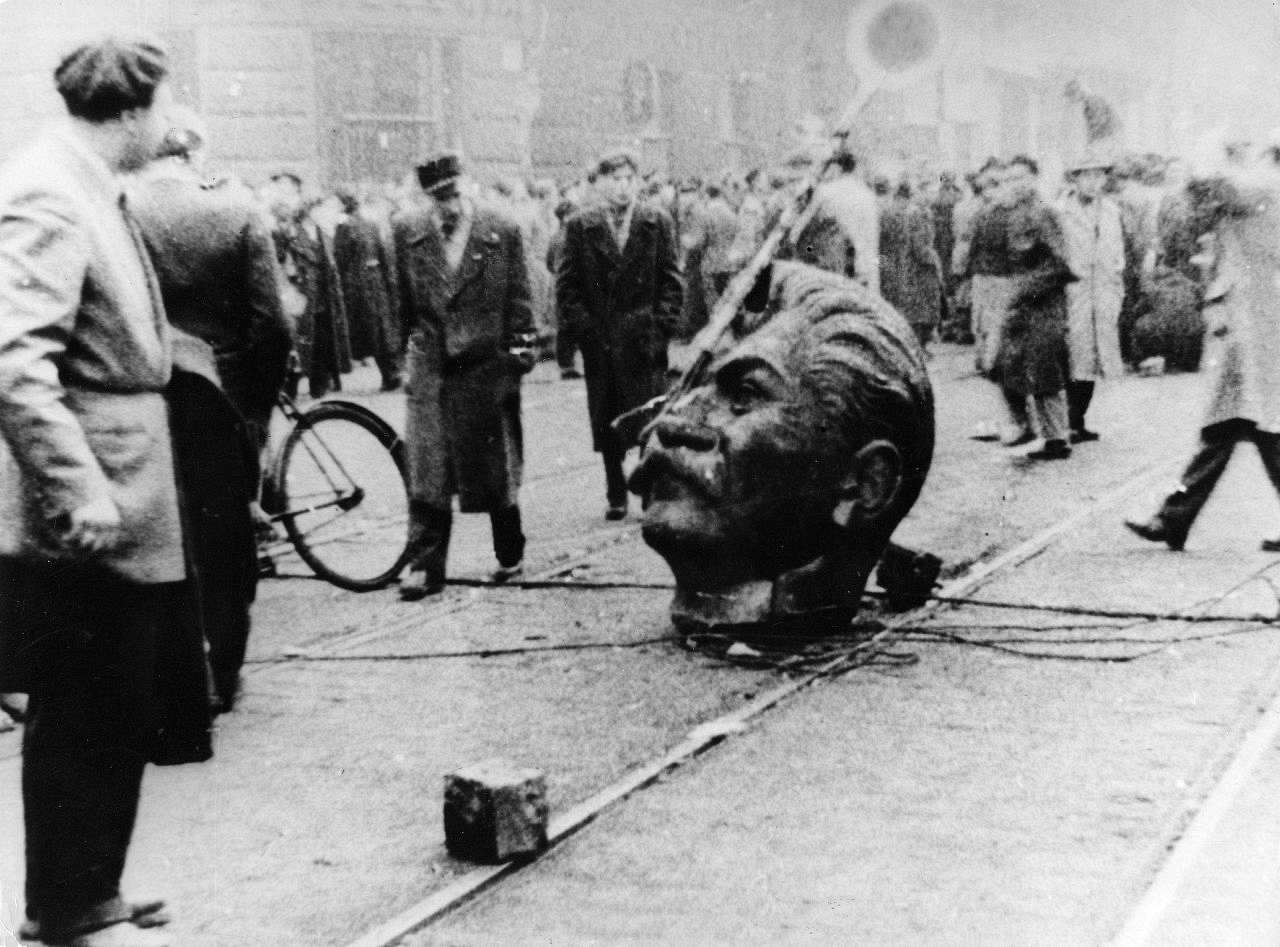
pixel 355 90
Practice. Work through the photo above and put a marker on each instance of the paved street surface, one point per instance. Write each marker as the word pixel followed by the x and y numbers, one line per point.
pixel 977 796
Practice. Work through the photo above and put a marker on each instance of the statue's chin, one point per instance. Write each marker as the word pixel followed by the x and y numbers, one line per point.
pixel 681 529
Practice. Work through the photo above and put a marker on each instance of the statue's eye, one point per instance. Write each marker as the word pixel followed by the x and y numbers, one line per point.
pixel 746 393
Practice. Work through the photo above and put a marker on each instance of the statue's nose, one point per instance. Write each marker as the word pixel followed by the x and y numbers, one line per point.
pixel 678 432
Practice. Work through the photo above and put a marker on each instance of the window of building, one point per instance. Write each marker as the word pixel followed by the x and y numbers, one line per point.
pixel 383 102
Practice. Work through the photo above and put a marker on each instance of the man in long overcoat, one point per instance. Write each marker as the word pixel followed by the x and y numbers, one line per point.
pixel 305 253
pixel 368 284
pixel 97 610
pixel 910 272
pixel 465 300
pixel 216 266
pixel 619 289
pixel 1095 252
pixel 1242 345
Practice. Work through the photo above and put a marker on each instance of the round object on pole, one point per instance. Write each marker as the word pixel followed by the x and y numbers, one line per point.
pixel 893 41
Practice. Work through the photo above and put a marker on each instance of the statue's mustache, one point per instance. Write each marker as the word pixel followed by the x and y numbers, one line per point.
pixel 704 479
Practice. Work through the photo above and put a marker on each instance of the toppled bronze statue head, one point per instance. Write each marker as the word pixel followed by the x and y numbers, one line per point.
pixel 772 488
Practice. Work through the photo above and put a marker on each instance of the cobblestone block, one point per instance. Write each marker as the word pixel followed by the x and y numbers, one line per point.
pixel 494 811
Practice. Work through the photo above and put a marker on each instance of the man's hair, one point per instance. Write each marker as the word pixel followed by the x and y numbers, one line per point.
pixel 1027 162
pixel 752 176
pixel 714 190
pixel 611 161
pixel 101 81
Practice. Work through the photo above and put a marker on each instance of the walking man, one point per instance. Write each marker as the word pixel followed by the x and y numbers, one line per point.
pixel 1242 347
pixel 465 301
pixel 1032 363
pixel 97 606
pixel 619 290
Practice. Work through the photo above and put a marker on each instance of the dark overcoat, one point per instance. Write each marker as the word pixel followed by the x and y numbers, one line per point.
pixel 624 306
pixel 1033 357
pixel 368 288
pixel 321 332
pixel 463 425
pixel 214 259
pixel 910 272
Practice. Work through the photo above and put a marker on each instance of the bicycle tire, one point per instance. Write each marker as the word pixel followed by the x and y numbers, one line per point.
pixel 308 465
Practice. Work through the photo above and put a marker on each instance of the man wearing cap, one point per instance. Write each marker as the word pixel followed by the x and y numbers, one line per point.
pixel 1095 252
pixel 97 605
pixel 619 289
pixel 465 303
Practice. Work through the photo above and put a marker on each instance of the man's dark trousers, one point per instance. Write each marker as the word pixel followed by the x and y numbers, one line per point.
pixel 94 721
pixel 431 528
pixel 1217 441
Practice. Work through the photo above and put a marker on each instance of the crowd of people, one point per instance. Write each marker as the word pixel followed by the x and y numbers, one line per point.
pixel 150 316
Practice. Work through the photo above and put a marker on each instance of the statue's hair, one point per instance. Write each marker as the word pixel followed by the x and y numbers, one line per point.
pixel 863 361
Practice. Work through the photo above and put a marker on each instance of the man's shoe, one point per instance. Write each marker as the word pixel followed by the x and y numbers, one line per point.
pixel 1271 545
pixel 391 384
pixel 1156 530
pixel 569 374
pixel 504 574
pixel 141 914
pixel 985 431
pixel 124 934
pixel 1052 450
pixel 616 511
pixel 1083 435
pixel 417 585
pixel 1017 438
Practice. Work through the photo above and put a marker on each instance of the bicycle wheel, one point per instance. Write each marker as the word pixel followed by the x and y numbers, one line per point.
pixel 343 495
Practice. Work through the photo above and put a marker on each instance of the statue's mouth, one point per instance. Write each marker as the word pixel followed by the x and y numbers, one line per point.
pixel 665 475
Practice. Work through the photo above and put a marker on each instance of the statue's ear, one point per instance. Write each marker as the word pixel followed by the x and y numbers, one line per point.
pixel 870 485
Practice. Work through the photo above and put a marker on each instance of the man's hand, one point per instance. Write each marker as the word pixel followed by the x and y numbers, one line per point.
pixel 93 528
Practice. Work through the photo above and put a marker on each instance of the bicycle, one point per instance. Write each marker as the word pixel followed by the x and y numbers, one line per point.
pixel 339 485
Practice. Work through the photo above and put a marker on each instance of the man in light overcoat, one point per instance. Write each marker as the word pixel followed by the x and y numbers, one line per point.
pixel 1242 344
pixel 465 300
pixel 1091 226
pixel 97 611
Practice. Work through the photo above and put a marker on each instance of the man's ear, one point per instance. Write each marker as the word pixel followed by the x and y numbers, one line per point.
pixel 870 485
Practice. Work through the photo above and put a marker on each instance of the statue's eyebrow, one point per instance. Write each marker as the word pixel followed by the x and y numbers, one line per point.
pixel 740 366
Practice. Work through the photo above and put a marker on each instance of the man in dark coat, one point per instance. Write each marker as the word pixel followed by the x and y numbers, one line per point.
pixel 465 300
pixel 910 271
pixel 1033 360
pixel 306 254
pixel 97 600
pixel 368 290
pixel 619 288
pixel 216 265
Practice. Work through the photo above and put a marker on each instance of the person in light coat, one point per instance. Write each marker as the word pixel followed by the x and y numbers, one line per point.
pixel 1095 252
pixel 98 598
pixel 1242 334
